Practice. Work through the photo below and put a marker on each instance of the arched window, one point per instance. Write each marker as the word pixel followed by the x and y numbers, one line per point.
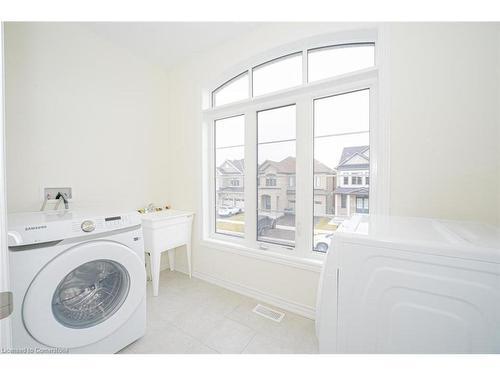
pixel 295 127
pixel 287 72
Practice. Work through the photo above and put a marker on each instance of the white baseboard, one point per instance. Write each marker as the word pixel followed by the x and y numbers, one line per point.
pixel 297 308
pixel 273 300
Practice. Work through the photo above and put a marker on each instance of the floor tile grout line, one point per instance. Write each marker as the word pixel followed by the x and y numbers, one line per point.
pixel 243 324
pixel 260 332
pixel 249 341
pixel 223 316
pixel 194 337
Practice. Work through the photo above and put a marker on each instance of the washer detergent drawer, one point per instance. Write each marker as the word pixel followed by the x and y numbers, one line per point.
pixel 84 294
pixel 393 301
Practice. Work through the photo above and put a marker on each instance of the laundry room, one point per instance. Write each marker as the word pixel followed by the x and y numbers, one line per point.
pixel 213 187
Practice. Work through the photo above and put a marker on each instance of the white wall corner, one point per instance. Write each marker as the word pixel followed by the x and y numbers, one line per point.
pixel 384 118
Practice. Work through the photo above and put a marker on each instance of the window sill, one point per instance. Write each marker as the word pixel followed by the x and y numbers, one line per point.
pixel 313 265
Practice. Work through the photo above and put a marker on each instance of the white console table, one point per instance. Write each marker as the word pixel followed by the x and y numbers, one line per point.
pixel 164 231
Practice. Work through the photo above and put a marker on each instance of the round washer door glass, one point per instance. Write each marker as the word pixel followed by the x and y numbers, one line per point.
pixel 90 294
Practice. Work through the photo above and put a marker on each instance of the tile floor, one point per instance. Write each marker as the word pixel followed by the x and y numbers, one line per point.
pixel 192 316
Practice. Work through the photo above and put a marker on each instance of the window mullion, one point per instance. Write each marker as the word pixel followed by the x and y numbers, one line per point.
pixel 250 83
pixel 304 67
pixel 304 179
pixel 209 178
pixel 250 177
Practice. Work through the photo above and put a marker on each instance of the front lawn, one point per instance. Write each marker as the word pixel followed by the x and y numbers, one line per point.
pixel 232 227
pixel 238 217
pixel 322 223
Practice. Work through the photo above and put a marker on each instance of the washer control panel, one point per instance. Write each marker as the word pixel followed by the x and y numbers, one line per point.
pixel 112 222
pixel 38 227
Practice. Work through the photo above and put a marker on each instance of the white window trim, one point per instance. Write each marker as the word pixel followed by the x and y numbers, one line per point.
pixel 374 78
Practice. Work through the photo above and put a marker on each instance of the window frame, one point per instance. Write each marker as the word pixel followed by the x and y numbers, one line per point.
pixel 302 96
pixel 228 82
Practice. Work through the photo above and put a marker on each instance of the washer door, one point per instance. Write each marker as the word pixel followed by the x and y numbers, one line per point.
pixel 84 294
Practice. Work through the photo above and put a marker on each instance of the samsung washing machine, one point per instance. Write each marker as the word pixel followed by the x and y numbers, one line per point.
pixel 78 280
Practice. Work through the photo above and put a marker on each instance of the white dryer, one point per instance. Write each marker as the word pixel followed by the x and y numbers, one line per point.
pixel 410 285
pixel 78 280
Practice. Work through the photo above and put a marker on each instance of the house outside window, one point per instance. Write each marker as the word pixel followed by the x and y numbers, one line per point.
pixel 354 159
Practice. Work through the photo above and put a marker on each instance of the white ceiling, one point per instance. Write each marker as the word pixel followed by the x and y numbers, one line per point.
pixel 169 43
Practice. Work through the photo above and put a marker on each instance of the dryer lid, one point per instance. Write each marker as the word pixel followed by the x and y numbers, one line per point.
pixel 441 237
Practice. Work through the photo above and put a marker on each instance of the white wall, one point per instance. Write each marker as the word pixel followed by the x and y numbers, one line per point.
pixel 444 137
pixel 445 121
pixel 81 112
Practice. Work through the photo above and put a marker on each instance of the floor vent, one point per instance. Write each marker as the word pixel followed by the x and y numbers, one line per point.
pixel 268 313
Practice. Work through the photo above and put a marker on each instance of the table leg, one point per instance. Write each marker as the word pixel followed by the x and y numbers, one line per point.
pixel 155 270
pixel 171 259
pixel 188 252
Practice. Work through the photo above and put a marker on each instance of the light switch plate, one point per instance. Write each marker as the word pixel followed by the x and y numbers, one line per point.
pixel 51 193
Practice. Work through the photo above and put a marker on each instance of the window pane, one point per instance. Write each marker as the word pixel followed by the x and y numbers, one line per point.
pixel 276 176
pixel 332 61
pixel 340 114
pixel 276 124
pixel 342 163
pixel 277 75
pixel 232 91
pixel 230 172
pixel 230 132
